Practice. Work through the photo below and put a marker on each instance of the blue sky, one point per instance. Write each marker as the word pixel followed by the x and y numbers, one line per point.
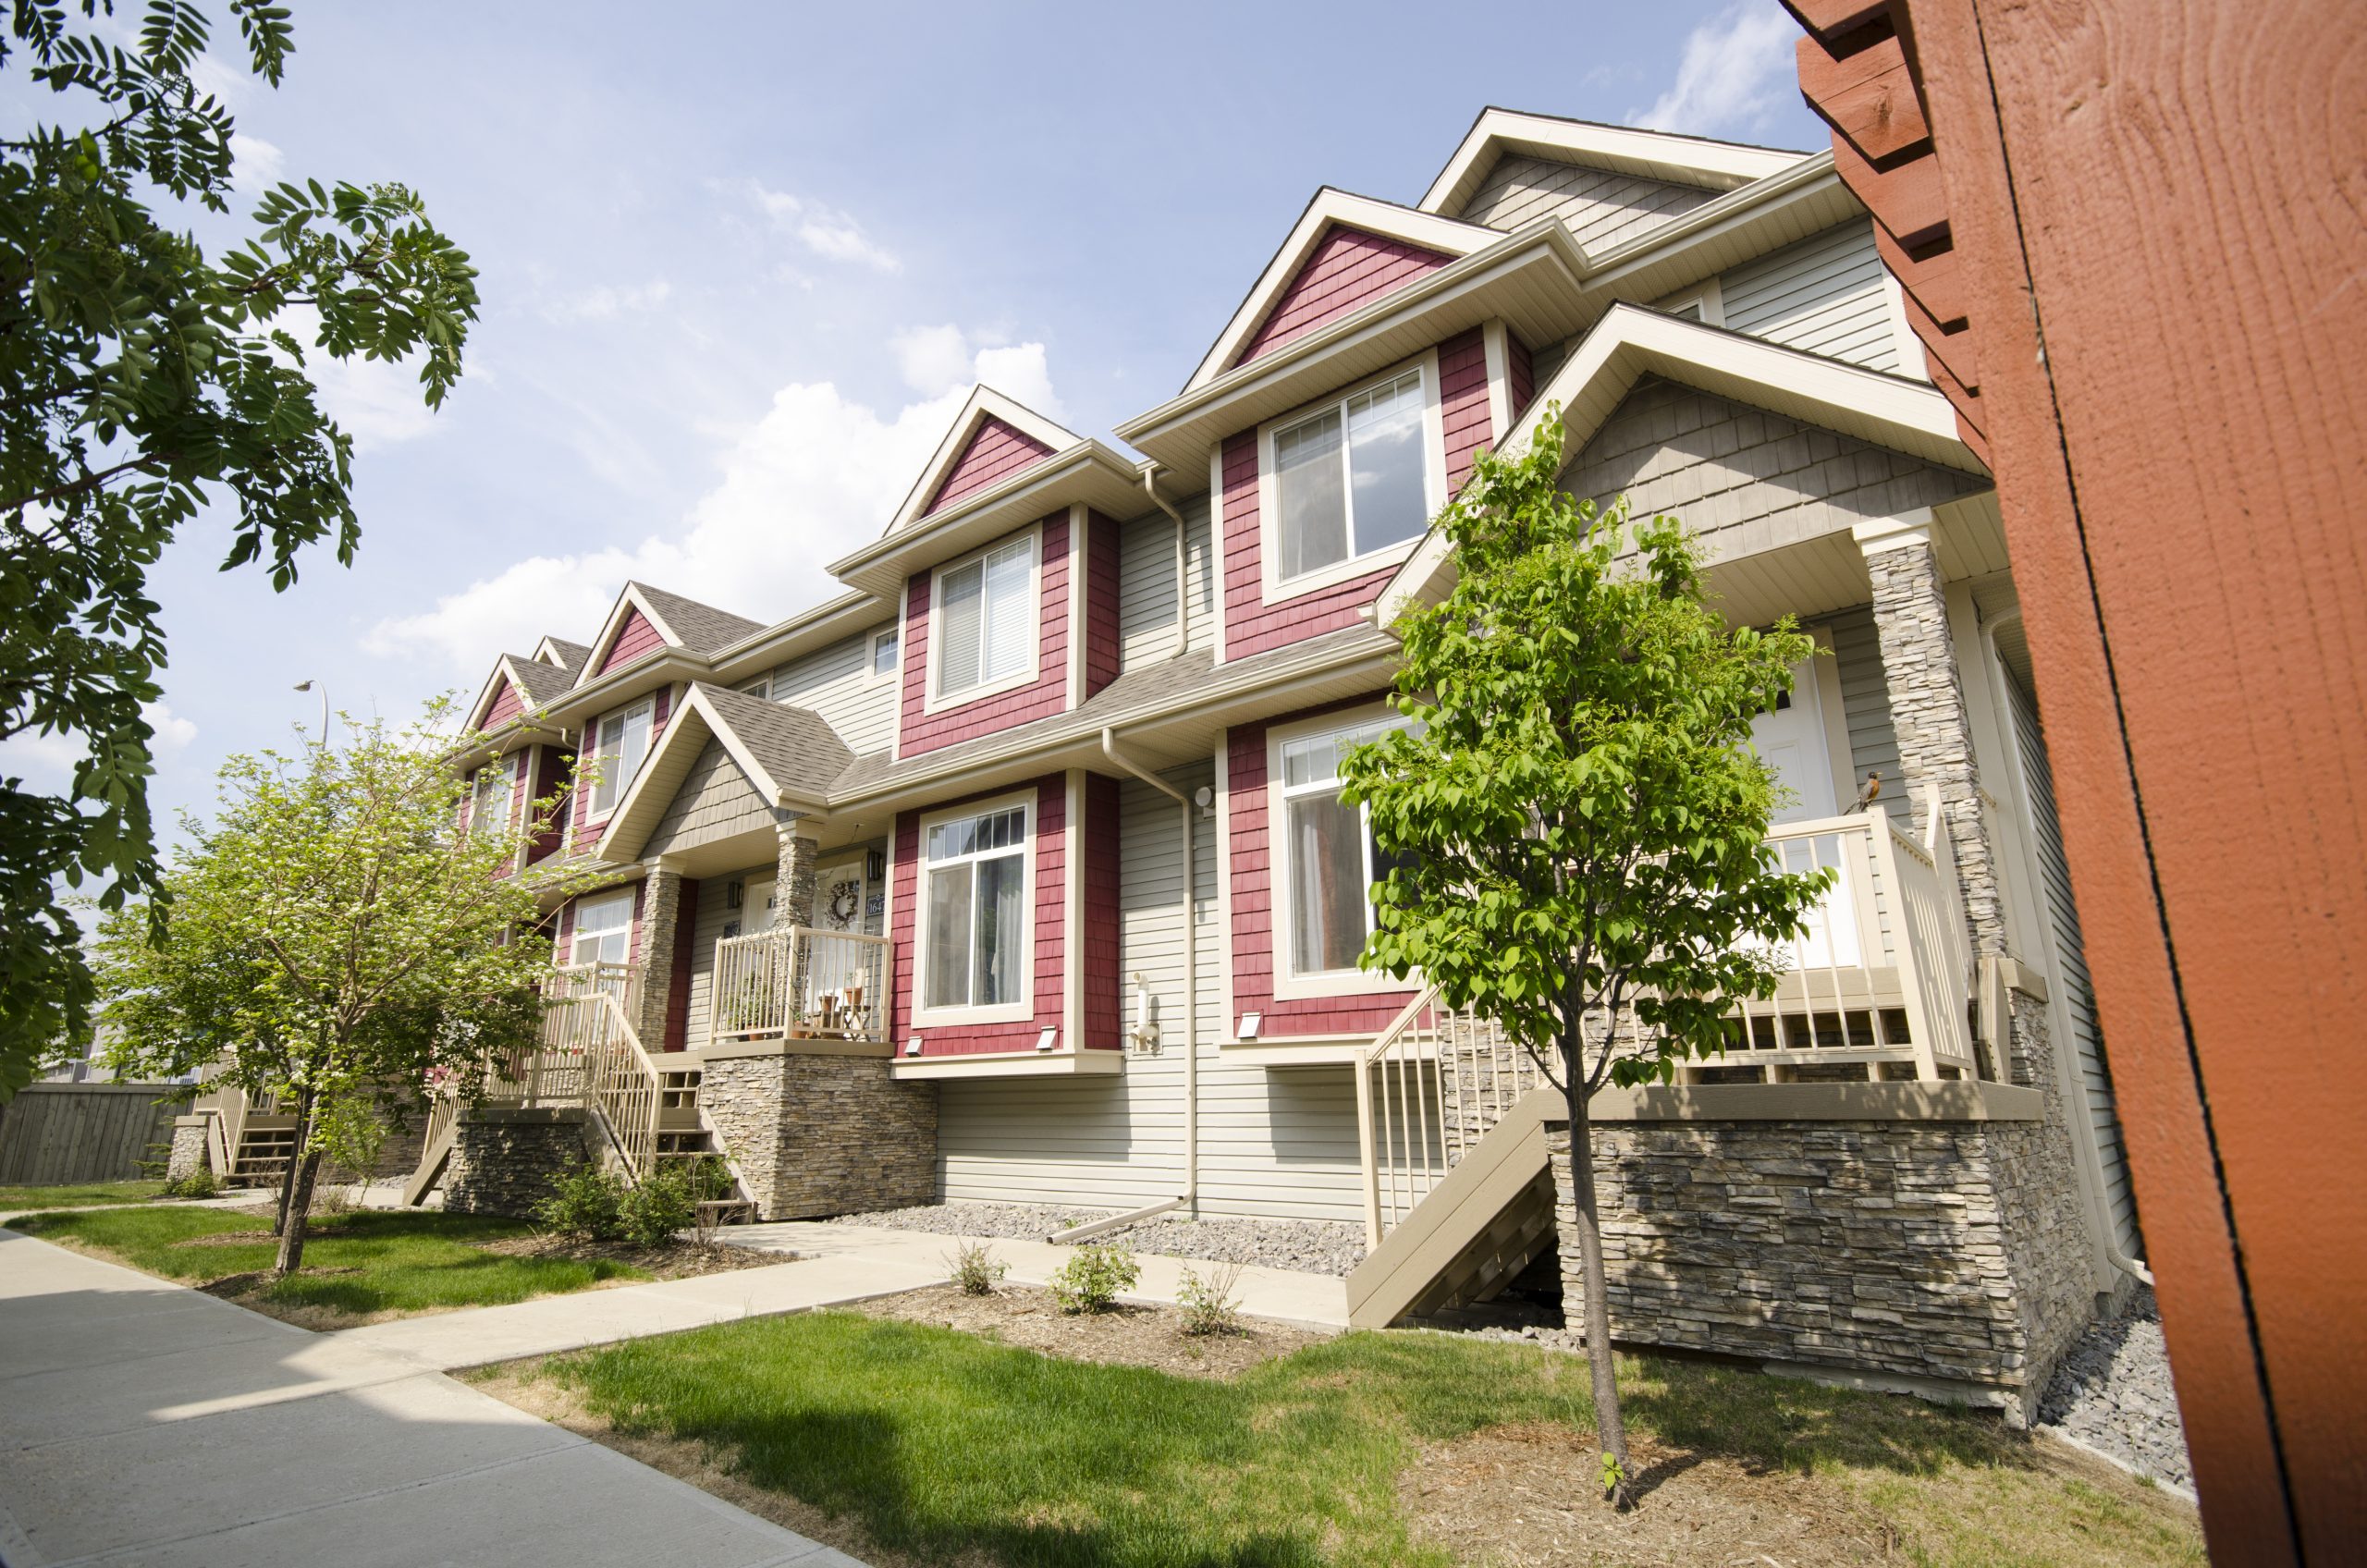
pixel 736 277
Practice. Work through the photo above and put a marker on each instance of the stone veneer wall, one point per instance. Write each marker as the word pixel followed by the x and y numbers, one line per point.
pixel 661 909
pixel 1919 1250
pixel 813 1134
pixel 506 1161
pixel 189 1152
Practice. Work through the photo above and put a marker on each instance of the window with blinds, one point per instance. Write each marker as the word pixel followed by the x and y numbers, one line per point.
pixel 986 621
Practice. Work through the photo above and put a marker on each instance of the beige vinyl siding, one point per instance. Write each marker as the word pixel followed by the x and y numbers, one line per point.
pixel 1826 295
pixel 1743 478
pixel 1146 584
pixel 715 801
pixel 837 683
pixel 707 926
pixel 1600 208
pixel 1277 1144
pixel 2071 970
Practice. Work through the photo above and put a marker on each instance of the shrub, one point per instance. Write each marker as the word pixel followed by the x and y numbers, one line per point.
pixel 198 1184
pixel 1091 1281
pixel 661 1203
pixel 353 1137
pixel 975 1268
pixel 1207 1305
pixel 587 1203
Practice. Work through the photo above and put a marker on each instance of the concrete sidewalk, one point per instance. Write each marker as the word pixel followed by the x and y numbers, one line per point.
pixel 144 1423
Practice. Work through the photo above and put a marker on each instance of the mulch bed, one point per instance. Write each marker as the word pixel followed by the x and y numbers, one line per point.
pixel 676 1260
pixel 1125 1336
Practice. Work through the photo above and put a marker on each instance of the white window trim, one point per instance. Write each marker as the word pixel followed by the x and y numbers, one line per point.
pixel 508 773
pixel 931 699
pixel 871 670
pixel 1706 294
pixel 595 813
pixel 624 896
pixel 1287 985
pixel 1020 1011
pixel 1276 590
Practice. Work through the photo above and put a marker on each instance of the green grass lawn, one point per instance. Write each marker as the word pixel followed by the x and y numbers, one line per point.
pixel 80 1193
pixel 939 1443
pixel 365 1262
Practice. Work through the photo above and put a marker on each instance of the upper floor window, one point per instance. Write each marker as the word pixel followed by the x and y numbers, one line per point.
pixel 625 744
pixel 1329 860
pixel 489 805
pixel 984 636
pixel 1353 478
pixel 883 653
pixel 975 914
pixel 603 929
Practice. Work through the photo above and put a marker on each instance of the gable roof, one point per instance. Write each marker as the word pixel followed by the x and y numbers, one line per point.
pixel 563 655
pixel 1428 232
pixel 789 756
pixel 1652 154
pixel 984 408
pixel 683 623
pixel 1632 340
pixel 537 685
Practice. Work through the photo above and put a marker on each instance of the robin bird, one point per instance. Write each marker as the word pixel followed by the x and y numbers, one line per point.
pixel 1870 792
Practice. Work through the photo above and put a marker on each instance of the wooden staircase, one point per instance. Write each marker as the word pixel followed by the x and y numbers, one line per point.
pixel 1459 1199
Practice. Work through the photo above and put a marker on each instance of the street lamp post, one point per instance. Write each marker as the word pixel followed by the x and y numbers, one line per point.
pixel 307 685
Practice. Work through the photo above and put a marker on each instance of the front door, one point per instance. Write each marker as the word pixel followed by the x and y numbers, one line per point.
pixel 1792 740
pixel 756 905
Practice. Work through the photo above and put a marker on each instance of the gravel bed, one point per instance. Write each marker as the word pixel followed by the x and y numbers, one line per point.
pixel 1311 1246
pixel 1009 1222
pixel 2113 1393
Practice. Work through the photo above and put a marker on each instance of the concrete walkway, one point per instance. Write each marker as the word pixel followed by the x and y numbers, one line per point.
pixel 144 1423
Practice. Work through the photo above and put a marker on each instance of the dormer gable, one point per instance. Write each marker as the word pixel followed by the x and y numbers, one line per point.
pixel 993 439
pixel 518 687
pixel 645 620
pixel 562 656
pixel 1605 181
pixel 1346 251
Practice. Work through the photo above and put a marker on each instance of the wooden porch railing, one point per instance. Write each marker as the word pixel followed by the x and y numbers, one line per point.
pixel 800 981
pixel 1430 1086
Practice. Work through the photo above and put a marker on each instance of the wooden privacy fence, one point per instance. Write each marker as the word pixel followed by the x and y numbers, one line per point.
pixel 56 1132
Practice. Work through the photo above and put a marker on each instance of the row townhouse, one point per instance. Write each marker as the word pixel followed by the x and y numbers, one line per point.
pixel 1018 871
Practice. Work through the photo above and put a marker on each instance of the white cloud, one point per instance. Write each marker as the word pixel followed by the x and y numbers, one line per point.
pixel 1736 69
pixel 605 302
pixel 257 165
pixel 173 733
pixel 828 232
pixel 935 360
pixel 931 358
pixel 379 402
pixel 54 756
pixel 817 475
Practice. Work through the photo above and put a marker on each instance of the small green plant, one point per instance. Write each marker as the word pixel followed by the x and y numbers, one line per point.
pixel 198 1184
pixel 662 1203
pixel 1614 1474
pixel 1091 1281
pixel 586 1204
pixel 975 1267
pixel 1209 1305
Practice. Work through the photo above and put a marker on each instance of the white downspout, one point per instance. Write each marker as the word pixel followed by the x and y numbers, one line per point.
pixel 1183 568
pixel 1191 1199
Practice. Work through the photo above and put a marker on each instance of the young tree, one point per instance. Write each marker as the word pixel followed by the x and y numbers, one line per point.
pixel 1576 820
pixel 336 937
pixel 140 380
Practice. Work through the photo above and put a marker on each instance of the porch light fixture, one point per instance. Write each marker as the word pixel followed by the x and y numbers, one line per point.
pixel 733 891
pixel 1248 1027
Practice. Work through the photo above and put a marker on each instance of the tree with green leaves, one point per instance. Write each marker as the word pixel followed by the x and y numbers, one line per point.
pixel 141 383
pixel 1575 819
pixel 338 938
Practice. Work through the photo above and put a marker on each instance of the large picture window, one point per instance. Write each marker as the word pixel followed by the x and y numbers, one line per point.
pixel 986 621
pixel 489 810
pixel 1329 854
pixel 1353 478
pixel 624 744
pixel 975 912
pixel 603 929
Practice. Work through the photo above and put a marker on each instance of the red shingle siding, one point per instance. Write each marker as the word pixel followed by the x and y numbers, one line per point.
pixel 1102 1020
pixel 1252 626
pixel 1249 840
pixel 1347 268
pixel 995 452
pixel 1052 927
pixel 1521 371
pixel 1101 641
pixel 925 731
pixel 1463 403
pixel 639 898
pixel 506 707
pixel 636 637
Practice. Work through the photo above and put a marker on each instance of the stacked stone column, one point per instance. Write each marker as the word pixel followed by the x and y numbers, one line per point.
pixel 661 911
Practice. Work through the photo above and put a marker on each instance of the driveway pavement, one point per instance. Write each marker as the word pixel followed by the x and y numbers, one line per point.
pixel 142 1423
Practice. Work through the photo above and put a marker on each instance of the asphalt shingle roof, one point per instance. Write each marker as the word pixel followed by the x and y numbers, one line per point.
pixel 702 628
pixel 797 746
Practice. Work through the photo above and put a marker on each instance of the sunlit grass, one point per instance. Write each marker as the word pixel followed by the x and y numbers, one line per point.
pixel 72 1194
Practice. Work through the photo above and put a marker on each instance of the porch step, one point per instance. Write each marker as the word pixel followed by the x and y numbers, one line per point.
pixel 261 1158
pixel 1483 1224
